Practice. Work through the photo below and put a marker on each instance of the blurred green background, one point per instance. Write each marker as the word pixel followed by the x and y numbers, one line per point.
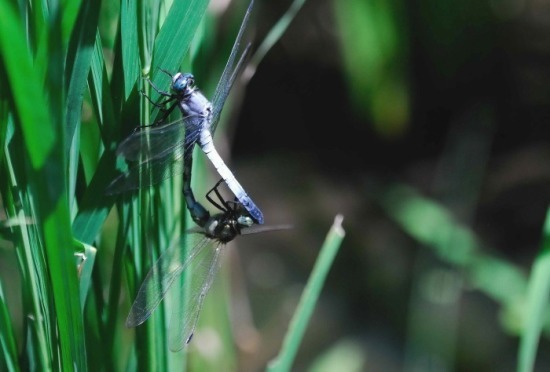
pixel 423 122
pixel 426 124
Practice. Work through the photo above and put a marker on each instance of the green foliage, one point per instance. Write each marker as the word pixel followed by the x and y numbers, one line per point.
pixel 70 94
pixel 375 51
pixel 538 293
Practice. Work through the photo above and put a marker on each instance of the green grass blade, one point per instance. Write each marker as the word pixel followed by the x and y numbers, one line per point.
pixel 298 324
pixel 129 32
pixel 43 134
pixel 112 310
pixel 95 205
pixel 8 348
pixel 53 212
pixel 35 294
pixel 85 263
pixel 38 31
pixel 174 38
pixel 345 355
pixel 433 225
pixel 374 50
pixel 79 59
pixel 70 11
pixel 538 293
pixel 21 77
pixel 100 91
pixel 78 62
pixel 36 299
pixel 272 37
pixel 93 210
pixel 4 112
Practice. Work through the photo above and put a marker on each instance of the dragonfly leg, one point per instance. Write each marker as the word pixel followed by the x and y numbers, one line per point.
pixel 161 92
pixel 224 207
pixel 166 72
pixel 165 113
pixel 160 104
pixel 234 204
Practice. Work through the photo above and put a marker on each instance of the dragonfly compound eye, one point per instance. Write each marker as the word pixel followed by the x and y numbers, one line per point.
pixel 182 82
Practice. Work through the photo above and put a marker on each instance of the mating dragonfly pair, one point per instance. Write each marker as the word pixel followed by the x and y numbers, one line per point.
pixel 156 149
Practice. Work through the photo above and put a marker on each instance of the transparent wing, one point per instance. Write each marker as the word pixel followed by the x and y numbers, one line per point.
pixel 186 314
pixel 229 73
pixel 160 278
pixel 158 152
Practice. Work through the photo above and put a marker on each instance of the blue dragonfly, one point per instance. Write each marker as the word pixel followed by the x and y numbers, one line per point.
pixel 158 148
pixel 203 259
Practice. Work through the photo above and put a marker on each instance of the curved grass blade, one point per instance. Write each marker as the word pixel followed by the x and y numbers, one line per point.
pixel 79 59
pixel 431 224
pixel 129 44
pixel 100 92
pixel 272 37
pixel 298 324
pixel 31 264
pixel 93 210
pixel 85 260
pixel 174 38
pixel 8 348
pixel 538 293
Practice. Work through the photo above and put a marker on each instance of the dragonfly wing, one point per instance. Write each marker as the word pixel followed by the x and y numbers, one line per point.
pixel 148 172
pixel 186 314
pixel 152 142
pixel 161 276
pixel 158 152
pixel 229 73
pixel 218 106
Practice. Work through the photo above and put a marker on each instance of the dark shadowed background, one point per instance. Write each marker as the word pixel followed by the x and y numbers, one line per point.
pixel 361 100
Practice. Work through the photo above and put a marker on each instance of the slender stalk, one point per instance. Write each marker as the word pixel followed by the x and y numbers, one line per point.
pixel 298 324
pixel 538 293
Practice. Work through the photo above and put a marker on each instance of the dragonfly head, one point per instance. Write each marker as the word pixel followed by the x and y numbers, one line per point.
pixel 224 227
pixel 221 228
pixel 183 84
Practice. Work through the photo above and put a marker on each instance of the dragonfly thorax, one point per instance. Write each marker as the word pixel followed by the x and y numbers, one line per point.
pixel 196 105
